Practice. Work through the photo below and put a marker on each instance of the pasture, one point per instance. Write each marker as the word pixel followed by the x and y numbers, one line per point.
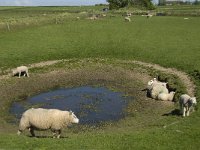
pixel 93 50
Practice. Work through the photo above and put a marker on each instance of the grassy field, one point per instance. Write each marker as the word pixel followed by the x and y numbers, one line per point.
pixel 169 41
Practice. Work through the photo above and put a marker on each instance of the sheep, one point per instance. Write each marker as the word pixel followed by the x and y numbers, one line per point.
pixel 186 103
pixel 127 19
pixel 154 82
pixel 158 89
pixel 166 97
pixel 149 15
pixel 20 70
pixel 43 119
pixel 128 14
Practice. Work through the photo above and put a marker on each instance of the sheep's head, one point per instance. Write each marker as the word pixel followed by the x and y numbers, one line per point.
pixel 73 117
pixel 150 82
pixel 193 100
pixel 172 92
pixel 14 72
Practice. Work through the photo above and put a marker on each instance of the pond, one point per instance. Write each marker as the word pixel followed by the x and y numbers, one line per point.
pixel 90 104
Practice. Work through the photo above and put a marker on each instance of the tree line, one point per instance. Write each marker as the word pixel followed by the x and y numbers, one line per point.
pixel 116 4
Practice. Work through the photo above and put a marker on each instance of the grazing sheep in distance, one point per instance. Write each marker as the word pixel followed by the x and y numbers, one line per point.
pixel 166 97
pixel 149 15
pixel 186 103
pixel 20 70
pixel 127 19
pixel 128 14
pixel 43 119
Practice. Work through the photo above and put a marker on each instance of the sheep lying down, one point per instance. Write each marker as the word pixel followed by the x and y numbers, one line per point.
pixel 166 96
pixel 43 119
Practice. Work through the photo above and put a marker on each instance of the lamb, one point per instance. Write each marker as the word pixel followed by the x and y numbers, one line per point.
pixel 186 103
pixel 127 19
pixel 20 70
pixel 43 119
pixel 166 97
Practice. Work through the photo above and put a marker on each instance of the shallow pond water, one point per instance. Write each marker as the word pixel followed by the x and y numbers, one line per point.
pixel 90 104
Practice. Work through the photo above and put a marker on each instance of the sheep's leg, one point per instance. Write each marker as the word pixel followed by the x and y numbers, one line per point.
pixel 19 74
pixel 32 131
pixel 184 110
pixel 181 109
pixel 188 112
pixel 59 132
pixel 54 133
pixel 27 74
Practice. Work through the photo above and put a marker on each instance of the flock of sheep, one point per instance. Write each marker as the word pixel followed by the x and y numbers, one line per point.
pixel 55 120
pixel 128 15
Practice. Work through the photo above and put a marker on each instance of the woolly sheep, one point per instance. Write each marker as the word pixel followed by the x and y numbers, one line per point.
pixel 20 70
pixel 186 103
pixel 127 19
pixel 43 119
pixel 166 97
pixel 154 82
pixel 156 90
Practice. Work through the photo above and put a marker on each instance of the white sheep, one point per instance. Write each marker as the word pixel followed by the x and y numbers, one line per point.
pixel 127 19
pixel 20 70
pixel 166 97
pixel 149 15
pixel 186 103
pixel 128 14
pixel 43 119
pixel 156 90
pixel 154 82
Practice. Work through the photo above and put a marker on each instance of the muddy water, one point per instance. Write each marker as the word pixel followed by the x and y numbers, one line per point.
pixel 90 104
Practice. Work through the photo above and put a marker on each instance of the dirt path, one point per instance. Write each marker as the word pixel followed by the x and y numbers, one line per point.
pixel 190 86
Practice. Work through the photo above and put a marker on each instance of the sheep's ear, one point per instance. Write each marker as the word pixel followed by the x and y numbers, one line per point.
pixel 70 112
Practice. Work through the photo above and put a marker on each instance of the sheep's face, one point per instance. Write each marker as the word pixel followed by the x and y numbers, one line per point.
pixel 150 82
pixel 173 93
pixel 194 101
pixel 74 119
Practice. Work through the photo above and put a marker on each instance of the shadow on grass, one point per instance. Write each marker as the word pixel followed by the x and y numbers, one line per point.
pixel 175 112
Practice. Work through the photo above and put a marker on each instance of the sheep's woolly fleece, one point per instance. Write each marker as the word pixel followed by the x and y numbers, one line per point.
pixel 189 84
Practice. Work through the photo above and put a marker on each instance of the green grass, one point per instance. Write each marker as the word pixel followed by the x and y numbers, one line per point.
pixel 168 41
pixel 157 138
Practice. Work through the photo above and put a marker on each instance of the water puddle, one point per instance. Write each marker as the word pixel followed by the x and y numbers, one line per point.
pixel 90 104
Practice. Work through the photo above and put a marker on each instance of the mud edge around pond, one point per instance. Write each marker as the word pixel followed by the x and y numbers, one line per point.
pixel 128 77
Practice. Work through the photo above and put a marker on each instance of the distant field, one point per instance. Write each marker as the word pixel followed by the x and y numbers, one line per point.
pixel 34 34
pixel 156 40
pixel 180 10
